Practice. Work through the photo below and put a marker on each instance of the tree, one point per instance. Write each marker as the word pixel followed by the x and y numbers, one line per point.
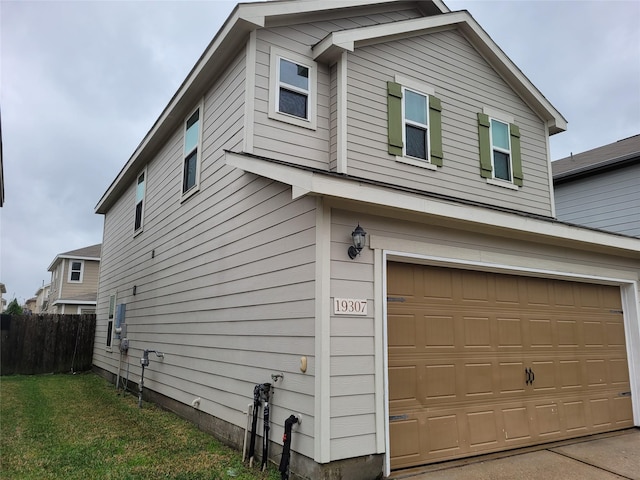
pixel 13 308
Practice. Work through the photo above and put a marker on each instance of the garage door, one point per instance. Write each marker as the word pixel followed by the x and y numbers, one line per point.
pixel 481 362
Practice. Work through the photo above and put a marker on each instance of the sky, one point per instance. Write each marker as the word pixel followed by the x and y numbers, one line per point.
pixel 82 82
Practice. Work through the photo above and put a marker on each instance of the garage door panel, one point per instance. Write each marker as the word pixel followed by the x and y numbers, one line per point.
pixel 441 382
pixel 482 428
pixel 477 333
pixel 483 362
pixel 509 333
pixel 402 335
pixel 512 377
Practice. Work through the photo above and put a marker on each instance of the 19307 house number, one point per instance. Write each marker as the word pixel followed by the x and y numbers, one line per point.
pixel 349 306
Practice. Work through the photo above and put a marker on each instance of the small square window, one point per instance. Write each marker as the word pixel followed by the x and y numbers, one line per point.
pixel 75 271
pixel 292 88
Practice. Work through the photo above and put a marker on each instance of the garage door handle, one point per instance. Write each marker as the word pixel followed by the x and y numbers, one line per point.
pixel 533 376
pixel 527 374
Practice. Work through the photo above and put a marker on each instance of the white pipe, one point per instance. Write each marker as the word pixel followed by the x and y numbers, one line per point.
pixel 246 431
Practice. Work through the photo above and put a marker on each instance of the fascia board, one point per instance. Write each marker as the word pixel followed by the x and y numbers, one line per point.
pixel 70 257
pixel 347 40
pixel 296 7
pixel 319 184
pixel 62 301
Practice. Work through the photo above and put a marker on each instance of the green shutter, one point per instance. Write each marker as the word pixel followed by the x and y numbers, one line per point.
pixel 394 118
pixel 435 130
pixel 485 145
pixel 516 157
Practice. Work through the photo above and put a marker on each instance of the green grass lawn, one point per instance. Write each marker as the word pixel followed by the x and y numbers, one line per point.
pixel 77 427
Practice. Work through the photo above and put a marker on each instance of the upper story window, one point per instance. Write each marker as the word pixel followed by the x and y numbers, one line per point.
pixel 416 128
pixel 140 193
pixel 500 157
pixel 293 91
pixel 501 150
pixel 76 270
pixel 192 153
pixel 292 85
pixel 414 123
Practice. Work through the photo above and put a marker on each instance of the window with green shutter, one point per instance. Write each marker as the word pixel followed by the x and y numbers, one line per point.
pixel 500 157
pixel 414 125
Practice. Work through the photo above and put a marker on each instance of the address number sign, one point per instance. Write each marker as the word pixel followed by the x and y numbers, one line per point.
pixel 349 306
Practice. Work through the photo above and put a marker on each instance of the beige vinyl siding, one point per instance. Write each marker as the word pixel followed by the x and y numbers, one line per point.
pixel 228 292
pixel 283 141
pixel 352 409
pixel 353 339
pixel 89 282
pixel 465 83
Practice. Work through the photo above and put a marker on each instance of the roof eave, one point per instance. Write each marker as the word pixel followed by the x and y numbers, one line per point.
pixel 245 18
pixel 306 182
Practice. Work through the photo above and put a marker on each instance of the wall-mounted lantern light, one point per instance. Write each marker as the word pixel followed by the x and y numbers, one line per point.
pixel 358 236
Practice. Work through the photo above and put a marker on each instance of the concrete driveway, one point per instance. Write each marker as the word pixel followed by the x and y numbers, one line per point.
pixel 600 457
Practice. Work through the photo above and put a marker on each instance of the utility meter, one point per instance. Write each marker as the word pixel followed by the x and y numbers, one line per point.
pixel 124 344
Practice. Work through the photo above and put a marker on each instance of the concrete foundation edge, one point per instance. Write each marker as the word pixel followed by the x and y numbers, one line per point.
pixel 367 467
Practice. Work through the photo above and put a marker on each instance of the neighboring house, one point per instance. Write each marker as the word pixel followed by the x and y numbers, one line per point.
pixel 472 321
pixel 3 302
pixel 74 281
pixel 30 305
pixel 1 169
pixel 600 188
pixel 42 298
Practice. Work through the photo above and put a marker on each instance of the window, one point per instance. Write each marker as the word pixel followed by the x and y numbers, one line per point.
pixel 192 141
pixel 500 157
pixel 414 123
pixel 416 130
pixel 293 91
pixel 293 85
pixel 75 271
pixel 112 310
pixel 140 192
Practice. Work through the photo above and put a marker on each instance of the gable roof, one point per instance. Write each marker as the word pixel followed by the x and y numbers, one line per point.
pixel 247 17
pixel 91 252
pixel 614 155
pixel 347 40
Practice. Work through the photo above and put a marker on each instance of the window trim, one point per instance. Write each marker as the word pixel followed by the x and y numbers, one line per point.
pixel 139 229
pixel 185 194
pixel 70 264
pixel 276 54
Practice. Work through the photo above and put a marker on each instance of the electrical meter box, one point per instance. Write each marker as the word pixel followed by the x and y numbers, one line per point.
pixel 121 310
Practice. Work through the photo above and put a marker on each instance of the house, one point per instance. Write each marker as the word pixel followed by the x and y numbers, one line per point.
pixel 599 188
pixel 357 195
pixel 30 305
pixel 74 281
pixel 3 302
pixel 42 298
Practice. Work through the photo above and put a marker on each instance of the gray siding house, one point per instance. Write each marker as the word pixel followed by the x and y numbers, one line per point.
pixel 471 321
pixel 600 188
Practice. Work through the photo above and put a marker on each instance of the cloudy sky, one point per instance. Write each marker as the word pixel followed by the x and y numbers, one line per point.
pixel 82 82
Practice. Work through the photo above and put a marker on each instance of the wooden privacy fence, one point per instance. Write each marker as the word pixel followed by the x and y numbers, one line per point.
pixel 31 344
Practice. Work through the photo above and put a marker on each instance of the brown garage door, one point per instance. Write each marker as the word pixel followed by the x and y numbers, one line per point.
pixel 481 362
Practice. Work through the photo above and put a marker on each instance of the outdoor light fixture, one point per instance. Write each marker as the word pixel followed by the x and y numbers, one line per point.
pixel 358 236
